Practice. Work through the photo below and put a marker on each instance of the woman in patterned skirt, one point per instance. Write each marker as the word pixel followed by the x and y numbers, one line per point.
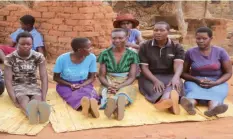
pixel 206 70
pixel 117 73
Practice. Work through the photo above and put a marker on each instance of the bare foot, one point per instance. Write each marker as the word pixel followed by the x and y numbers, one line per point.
pixel 94 108
pixel 175 102
pixel 216 110
pixel 163 104
pixel 188 106
pixel 44 112
pixel 110 108
pixel 120 107
pixel 85 103
pixel 32 111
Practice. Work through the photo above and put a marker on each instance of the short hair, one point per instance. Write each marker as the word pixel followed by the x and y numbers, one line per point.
pixel 78 43
pixel 163 23
pixel 120 30
pixel 205 30
pixel 24 34
pixel 27 19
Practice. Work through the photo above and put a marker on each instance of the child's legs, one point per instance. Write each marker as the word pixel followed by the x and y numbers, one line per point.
pixel 36 97
pixel 23 101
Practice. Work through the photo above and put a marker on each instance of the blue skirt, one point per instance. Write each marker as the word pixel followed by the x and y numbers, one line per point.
pixel 216 93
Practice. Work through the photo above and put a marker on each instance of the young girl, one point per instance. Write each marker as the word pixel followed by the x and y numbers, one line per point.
pixel 21 82
pixel 74 72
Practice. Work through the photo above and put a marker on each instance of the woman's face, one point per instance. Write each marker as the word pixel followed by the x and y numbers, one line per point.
pixel 160 32
pixel 203 40
pixel 126 25
pixel 24 45
pixel 86 49
pixel 119 39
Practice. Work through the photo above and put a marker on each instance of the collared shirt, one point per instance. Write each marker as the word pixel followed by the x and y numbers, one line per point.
pixel 37 38
pixel 160 60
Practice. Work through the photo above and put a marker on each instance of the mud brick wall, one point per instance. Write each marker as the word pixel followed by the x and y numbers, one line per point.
pixel 59 22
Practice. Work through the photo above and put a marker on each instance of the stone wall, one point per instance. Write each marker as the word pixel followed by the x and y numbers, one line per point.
pixel 59 22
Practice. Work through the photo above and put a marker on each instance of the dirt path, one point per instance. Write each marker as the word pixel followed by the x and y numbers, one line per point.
pixel 216 129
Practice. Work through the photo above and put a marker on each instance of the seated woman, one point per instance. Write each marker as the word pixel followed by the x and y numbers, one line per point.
pixel 75 72
pixel 128 22
pixel 206 80
pixel 161 64
pixel 117 73
pixel 21 82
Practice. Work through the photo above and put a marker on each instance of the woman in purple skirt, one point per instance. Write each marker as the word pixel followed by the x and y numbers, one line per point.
pixel 74 72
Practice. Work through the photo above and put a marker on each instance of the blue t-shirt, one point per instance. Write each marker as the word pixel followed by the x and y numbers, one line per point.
pixel 75 72
pixel 37 38
pixel 134 33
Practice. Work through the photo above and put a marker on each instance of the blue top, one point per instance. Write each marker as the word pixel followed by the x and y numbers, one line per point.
pixel 37 38
pixel 134 34
pixel 75 72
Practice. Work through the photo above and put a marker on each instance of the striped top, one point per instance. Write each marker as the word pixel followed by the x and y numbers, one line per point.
pixel 129 57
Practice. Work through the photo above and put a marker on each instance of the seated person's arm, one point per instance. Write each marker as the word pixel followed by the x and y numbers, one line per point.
pixel 131 77
pixel 8 82
pixel 139 40
pixel 102 75
pixel 38 43
pixel 57 78
pixel 227 70
pixel 90 79
pixel 44 80
pixel 186 73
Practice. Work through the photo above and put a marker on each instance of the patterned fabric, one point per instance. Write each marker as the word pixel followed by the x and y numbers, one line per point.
pixel 128 58
pixel 129 91
pixel 24 72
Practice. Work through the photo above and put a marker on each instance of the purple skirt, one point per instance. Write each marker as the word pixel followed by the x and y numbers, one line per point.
pixel 73 98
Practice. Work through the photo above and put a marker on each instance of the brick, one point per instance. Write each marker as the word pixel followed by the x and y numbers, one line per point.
pixel 66 3
pixel 86 22
pixel 3 23
pixel 12 7
pixel 99 16
pixel 41 20
pixel 65 28
pixel 71 34
pixel 2 18
pixel 45 3
pixel 43 31
pixel 46 26
pixel 64 39
pixel 106 9
pixel 16 25
pixel 110 15
pixel 61 15
pixel 93 9
pixel 56 21
pixel 49 38
pixel 11 19
pixel 89 34
pixel 87 3
pixel 70 10
pixel 48 14
pixel 2 28
pixel 71 22
pixel 97 27
pixel 97 3
pixel 101 39
pixel 78 4
pixel 56 9
pixel 77 28
pixel 56 33
pixel 41 9
pixel 82 16
pixel 4 12
pixel 87 28
pixel 35 14
pixel 55 27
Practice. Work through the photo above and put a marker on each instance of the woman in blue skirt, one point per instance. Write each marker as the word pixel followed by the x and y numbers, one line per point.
pixel 206 70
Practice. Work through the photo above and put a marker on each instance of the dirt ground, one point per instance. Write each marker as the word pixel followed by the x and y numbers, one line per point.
pixel 216 129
